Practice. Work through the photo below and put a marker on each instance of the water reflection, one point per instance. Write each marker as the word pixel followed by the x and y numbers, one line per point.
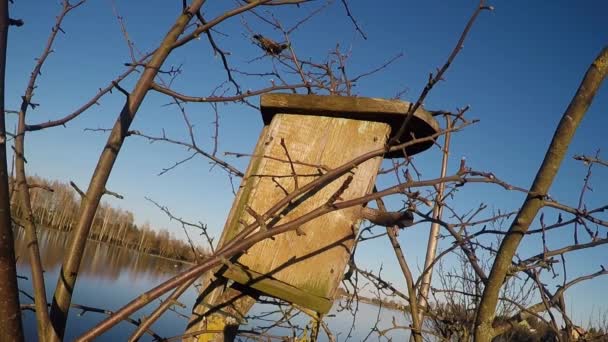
pixel 368 323
pixel 101 260
pixel 111 276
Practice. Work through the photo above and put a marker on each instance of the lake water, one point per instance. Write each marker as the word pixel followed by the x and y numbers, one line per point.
pixel 111 276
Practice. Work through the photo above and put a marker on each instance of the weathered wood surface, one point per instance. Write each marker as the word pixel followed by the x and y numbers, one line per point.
pixel 306 270
pixel 311 265
pixel 214 291
pixel 230 307
pixel 391 112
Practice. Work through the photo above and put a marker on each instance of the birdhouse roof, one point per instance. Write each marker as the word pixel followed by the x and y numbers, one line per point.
pixel 392 112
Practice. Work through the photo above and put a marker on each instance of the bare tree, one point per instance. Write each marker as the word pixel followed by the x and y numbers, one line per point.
pixel 10 324
pixel 537 196
pixel 487 296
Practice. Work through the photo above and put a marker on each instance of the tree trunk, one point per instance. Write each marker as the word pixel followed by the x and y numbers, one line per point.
pixel 535 199
pixel 10 312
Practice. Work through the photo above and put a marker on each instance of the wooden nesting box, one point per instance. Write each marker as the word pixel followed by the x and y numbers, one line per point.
pixel 308 135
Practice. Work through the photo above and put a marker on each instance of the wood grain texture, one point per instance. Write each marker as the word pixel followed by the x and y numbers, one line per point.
pixel 213 291
pixel 312 263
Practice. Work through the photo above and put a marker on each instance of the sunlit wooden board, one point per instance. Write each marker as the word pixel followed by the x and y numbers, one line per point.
pixel 304 269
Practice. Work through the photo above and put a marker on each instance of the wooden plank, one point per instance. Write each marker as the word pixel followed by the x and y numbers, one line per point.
pixel 231 228
pixel 391 112
pixel 230 309
pixel 277 288
pixel 313 263
pixel 215 294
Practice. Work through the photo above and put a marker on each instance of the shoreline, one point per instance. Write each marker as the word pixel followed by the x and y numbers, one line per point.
pixel 18 225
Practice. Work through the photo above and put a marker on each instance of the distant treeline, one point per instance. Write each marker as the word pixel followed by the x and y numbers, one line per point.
pixel 386 303
pixel 55 205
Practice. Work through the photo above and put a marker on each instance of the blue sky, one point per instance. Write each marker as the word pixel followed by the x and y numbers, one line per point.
pixel 518 71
